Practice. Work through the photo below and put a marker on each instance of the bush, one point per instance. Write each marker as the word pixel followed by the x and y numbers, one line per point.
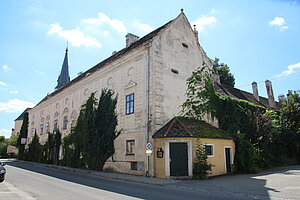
pixel 201 166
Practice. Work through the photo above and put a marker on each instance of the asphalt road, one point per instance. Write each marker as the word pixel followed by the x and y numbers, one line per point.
pixel 30 182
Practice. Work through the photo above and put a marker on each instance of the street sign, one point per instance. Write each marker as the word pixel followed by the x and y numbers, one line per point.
pixel 149 151
pixel 149 146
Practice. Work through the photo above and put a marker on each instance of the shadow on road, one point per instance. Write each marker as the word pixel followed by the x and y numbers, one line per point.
pixel 144 191
pixel 246 186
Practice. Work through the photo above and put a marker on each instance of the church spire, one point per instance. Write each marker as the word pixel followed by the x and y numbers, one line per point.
pixel 64 77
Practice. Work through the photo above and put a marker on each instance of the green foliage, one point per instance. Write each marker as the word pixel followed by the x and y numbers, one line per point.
pixel 13 140
pixel 223 70
pixel 201 96
pixel 247 157
pixel 23 134
pixel 91 141
pixel 201 167
pixel 289 122
pixel 3 149
pixel 50 150
pixel 35 149
pixel 263 138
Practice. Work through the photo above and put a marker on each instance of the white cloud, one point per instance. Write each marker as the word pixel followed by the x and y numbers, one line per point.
pixel 291 69
pixel 75 36
pixel 204 21
pixel 144 28
pixel 5 68
pixel 277 21
pixel 2 83
pixel 14 91
pixel 104 19
pixel 5 132
pixel 15 105
pixel 280 22
pixel 283 28
pixel 39 72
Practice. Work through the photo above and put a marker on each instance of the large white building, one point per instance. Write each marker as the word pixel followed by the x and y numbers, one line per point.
pixel 149 75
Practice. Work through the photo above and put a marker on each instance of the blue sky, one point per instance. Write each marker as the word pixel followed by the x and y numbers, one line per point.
pixel 258 39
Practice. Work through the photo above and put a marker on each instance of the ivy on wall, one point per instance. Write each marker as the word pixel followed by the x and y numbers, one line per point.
pixel 260 135
pixel 89 144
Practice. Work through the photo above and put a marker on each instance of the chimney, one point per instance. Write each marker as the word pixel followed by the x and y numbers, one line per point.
pixel 114 52
pixel 281 98
pixel 270 94
pixel 130 38
pixel 255 90
pixel 196 33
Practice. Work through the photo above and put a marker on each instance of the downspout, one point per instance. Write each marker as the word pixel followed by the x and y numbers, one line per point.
pixel 148 119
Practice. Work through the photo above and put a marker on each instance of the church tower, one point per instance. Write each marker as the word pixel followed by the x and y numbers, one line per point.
pixel 64 76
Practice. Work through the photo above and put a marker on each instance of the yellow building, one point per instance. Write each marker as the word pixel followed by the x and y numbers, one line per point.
pixel 175 145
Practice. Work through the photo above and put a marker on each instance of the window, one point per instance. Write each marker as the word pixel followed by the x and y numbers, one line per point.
pixel 47 127
pixel 41 129
pixel 175 71
pixel 185 45
pixel 65 122
pixel 55 125
pixel 129 147
pixel 129 104
pixel 209 150
pixel 133 165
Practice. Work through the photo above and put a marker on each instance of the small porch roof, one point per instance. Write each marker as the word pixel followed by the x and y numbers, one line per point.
pixel 187 127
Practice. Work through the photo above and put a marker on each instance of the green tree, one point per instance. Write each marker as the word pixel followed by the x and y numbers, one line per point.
pixel 101 142
pixel 13 140
pixel 23 134
pixel 3 147
pixel 91 141
pixel 223 70
pixel 35 149
pixel 289 122
pixel 201 166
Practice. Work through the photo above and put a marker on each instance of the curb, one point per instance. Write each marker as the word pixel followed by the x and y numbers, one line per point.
pixel 108 175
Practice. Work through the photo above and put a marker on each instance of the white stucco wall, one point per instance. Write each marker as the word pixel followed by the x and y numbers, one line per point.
pixel 128 75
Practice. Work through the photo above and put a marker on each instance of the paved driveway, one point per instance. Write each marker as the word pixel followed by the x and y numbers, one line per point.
pixel 277 183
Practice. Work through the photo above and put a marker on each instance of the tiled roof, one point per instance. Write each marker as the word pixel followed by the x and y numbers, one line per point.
pixel 21 117
pixel 187 127
pixel 240 94
pixel 110 59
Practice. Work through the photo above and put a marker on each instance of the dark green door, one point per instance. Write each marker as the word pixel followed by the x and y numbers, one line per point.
pixel 228 159
pixel 178 159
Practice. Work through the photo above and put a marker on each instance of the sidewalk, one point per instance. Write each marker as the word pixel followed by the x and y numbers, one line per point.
pixel 110 175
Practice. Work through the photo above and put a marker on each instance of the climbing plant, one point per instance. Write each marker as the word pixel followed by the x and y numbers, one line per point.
pixel 201 167
pixel 91 141
pixel 261 135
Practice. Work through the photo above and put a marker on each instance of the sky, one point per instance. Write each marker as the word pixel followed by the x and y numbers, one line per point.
pixel 257 39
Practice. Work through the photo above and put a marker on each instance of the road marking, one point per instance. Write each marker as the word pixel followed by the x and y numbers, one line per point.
pixel 15 190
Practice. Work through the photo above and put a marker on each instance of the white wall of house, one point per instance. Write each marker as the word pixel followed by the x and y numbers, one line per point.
pixel 175 49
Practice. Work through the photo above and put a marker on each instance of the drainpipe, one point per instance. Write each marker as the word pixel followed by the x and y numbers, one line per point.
pixel 148 119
